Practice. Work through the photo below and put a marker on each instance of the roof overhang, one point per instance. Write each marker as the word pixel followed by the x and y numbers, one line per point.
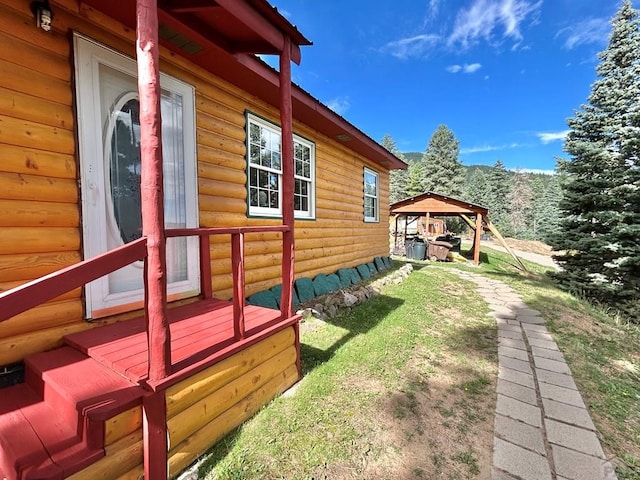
pixel 223 36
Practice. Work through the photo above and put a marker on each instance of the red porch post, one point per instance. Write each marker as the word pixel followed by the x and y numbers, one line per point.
pixel 286 114
pixel 151 189
pixel 156 315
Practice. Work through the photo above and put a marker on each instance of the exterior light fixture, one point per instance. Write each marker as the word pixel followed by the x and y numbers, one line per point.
pixel 43 13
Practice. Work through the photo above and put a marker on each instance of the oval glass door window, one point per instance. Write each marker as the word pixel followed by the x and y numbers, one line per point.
pixel 124 168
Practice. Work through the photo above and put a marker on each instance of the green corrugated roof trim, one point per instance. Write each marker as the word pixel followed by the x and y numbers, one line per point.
pixel 323 284
pixel 355 276
pixel 304 289
pixel 345 276
pixel 277 292
pixel 372 268
pixel 364 271
pixel 266 298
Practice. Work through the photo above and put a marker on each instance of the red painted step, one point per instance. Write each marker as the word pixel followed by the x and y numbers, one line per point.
pixel 81 390
pixel 34 441
pixel 53 425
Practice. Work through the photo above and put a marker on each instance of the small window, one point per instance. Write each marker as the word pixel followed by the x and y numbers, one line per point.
pixel 264 159
pixel 371 196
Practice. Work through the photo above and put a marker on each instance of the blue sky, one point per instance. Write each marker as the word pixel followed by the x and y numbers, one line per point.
pixel 503 75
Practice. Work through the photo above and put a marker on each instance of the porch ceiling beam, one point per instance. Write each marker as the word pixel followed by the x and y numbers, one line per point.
pixel 190 6
pixel 198 31
pixel 257 23
pixel 195 30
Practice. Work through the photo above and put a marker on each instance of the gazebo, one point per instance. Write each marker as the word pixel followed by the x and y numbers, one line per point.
pixel 434 204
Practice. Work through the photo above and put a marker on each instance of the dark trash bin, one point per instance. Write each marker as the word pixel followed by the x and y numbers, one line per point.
pixel 408 249
pixel 419 250
pixel 415 249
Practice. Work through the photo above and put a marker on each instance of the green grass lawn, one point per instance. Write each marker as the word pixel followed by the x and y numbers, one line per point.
pixel 403 386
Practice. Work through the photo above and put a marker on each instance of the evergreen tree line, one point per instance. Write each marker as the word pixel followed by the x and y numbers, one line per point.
pixel 589 210
pixel 600 206
pixel 522 205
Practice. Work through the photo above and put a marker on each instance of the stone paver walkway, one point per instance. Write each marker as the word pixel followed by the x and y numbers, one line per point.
pixel 543 430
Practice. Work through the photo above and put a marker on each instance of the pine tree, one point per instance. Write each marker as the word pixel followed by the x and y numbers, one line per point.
pixel 477 189
pixel 398 179
pixel 547 207
pixel 520 205
pixel 415 179
pixel 601 205
pixel 499 190
pixel 442 171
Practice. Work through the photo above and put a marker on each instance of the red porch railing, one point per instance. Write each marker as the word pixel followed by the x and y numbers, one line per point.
pixel 36 292
pixel 237 264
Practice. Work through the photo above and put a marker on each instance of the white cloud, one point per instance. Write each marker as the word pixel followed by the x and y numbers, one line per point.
pixel 408 47
pixel 466 68
pixel 482 20
pixel 472 68
pixel 548 137
pixel 487 148
pixel 434 7
pixel 339 105
pixel 593 30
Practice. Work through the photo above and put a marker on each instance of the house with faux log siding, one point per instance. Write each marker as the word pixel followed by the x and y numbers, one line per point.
pixel 154 173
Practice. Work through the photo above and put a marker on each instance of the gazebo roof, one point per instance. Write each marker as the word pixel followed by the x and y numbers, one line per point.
pixel 436 204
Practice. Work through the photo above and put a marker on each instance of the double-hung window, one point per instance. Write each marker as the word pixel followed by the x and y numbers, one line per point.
pixel 371 196
pixel 264 152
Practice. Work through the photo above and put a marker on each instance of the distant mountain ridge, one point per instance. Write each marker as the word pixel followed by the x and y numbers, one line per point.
pixel 415 157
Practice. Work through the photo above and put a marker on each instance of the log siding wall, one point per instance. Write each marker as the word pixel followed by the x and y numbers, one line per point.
pixel 40 186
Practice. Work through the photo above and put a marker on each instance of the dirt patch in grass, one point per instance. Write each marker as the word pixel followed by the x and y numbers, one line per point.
pixel 533 246
pixel 437 425
pixel 436 420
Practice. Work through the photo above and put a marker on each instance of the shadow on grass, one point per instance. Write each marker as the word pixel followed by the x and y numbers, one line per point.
pixel 357 321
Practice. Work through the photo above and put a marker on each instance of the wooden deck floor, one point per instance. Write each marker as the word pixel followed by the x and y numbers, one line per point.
pixel 197 331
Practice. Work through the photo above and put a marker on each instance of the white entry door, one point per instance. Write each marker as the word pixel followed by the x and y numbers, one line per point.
pixel 109 130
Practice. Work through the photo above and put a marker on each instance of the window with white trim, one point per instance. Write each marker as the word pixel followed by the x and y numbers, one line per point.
pixel 371 196
pixel 264 159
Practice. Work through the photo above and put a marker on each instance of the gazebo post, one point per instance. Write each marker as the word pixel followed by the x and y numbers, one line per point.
pixel 476 240
pixel 426 236
pixel 395 235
